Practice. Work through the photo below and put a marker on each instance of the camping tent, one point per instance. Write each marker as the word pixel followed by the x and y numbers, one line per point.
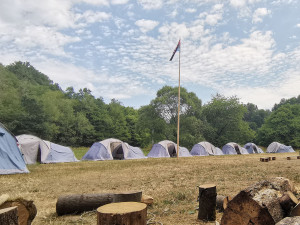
pixel 35 150
pixel 11 160
pixel 276 147
pixel 253 148
pixel 205 148
pixel 110 149
pixel 167 149
pixel 232 148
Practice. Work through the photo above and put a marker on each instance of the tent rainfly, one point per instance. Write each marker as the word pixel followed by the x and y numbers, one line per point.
pixel 11 160
pixel 35 150
pixel 276 147
pixel 205 148
pixel 253 148
pixel 167 149
pixel 110 149
pixel 232 148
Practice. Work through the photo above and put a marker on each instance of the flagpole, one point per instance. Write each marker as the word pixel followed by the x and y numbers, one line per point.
pixel 178 118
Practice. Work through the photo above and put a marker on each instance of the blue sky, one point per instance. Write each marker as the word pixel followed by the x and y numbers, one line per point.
pixel 121 48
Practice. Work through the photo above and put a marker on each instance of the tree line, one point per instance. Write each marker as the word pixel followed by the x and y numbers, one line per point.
pixel 30 103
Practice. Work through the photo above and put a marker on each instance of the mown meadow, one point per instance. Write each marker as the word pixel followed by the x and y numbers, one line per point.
pixel 172 182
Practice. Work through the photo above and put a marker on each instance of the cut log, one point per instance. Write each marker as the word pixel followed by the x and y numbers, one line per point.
pixel 287 202
pixel 9 216
pixel 147 199
pixel 26 210
pixel 219 202
pixel 289 221
pixel 273 158
pixel 207 202
pixel 125 213
pixel 75 204
pixel 243 210
pixel 296 210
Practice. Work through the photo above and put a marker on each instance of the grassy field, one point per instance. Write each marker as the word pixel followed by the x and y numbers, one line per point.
pixel 171 182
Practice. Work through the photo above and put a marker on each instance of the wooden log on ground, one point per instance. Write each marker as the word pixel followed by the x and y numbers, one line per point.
pixel 9 216
pixel 207 202
pixel 75 204
pixel 26 210
pixel 296 210
pixel 266 195
pixel 273 158
pixel 287 202
pixel 298 157
pixel 243 210
pixel 125 213
pixel 288 158
pixel 289 221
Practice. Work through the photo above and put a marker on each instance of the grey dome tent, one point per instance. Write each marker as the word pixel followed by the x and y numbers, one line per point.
pixel 232 148
pixel 205 148
pixel 35 150
pixel 167 148
pixel 253 148
pixel 11 160
pixel 110 149
pixel 276 147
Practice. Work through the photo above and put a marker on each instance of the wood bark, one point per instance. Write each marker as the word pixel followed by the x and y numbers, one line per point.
pixel 9 216
pixel 287 202
pixel 207 202
pixel 75 204
pixel 259 202
pixel 289 221
pixel 296 210
pixel 122 213
pixel 26 210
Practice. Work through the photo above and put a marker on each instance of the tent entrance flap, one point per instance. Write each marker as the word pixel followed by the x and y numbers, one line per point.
pixel 172 150
pixel 237 149
pixel 255 149
pixel 118 152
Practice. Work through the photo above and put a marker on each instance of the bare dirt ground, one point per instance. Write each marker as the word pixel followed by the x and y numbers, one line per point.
pixel 172 183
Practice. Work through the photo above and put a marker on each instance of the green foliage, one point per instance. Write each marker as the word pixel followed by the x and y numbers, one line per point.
pixel 255 117
pixel 283 126
pixel 291 101
pixel 224 121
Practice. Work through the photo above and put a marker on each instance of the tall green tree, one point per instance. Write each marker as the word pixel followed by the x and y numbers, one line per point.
pixel 224 121
pixel 254 116
pixel 283 126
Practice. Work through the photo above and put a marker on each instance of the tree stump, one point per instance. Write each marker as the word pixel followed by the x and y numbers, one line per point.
pixel 122 213
pixel 75 204
pixel 287 202
pixel 26 210
pixel 9 216
pixel 207 202
pixel 273 158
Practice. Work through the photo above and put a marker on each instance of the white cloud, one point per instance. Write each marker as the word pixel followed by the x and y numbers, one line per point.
pixel 259 13
pixel 238 3
pixel 298 25
pixel 93 17
pixel 190 10
pixel 146 25
pixel 151 4
pixel 119 2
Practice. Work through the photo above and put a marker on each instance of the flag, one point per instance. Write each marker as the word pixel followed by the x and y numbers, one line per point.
pixel 176 49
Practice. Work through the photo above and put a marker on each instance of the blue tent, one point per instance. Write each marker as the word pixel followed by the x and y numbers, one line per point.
pixel 276 147
pixel 232 148
pixel 253 148
pixel 205 148
pixel 11 160
pixel 110 149
pixel 167 149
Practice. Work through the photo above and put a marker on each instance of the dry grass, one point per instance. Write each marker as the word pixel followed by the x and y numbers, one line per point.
pixel 171 182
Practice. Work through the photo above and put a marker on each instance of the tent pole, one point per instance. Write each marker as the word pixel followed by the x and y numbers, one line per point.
pixel 178 120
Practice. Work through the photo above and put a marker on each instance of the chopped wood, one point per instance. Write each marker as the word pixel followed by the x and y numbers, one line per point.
pixel 125 213
pixel 296 210
pixel 287 202
pixel 147 199
pixel 273 158
pixel 289 221
pixel 26 210
pixel 9 216
pixel 298 157
pixel 288 158
pixel 207 202
pixel 78 203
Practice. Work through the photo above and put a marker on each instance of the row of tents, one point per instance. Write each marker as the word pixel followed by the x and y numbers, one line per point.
pixel 16 152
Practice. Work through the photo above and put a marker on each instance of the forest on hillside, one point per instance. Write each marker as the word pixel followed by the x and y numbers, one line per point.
pixel 30 103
